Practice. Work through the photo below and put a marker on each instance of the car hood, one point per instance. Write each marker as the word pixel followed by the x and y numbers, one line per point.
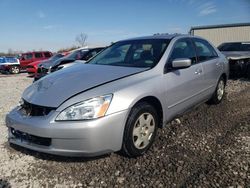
pixel 47 63
pixel 55 63
pixel 235 55
pixel 56 88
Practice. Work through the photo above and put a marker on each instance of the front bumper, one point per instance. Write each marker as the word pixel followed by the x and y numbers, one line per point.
pixel 238 68
pixel 67 138
pixel 31 70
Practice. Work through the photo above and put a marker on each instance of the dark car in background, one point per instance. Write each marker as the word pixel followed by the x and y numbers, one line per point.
pixel 238 54
pixel 9 65
pixel 80 54
pixel 29 57
pixel 32 67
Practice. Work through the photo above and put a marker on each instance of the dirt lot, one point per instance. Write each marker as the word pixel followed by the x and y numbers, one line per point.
pixel 209 147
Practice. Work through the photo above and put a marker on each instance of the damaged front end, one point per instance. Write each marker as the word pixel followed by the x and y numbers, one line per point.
pixel 238 55
pixel 239 67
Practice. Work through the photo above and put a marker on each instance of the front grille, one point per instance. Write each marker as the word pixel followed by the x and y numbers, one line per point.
pixel 30 138
pixel 29 109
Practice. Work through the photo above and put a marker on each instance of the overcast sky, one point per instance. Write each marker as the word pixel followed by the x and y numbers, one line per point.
pixel 54 24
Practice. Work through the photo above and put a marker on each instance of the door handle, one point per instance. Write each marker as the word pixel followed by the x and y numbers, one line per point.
pixel 217 64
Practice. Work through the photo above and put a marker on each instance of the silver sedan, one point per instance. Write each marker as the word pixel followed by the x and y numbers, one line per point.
pixel 118 99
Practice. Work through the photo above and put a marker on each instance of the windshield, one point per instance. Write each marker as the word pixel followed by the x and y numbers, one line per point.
pixel 134 53
pixel 76 55
pixel 55 57
pixel 236 46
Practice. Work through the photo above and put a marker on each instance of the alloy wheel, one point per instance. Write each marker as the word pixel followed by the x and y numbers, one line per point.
pixel 220 89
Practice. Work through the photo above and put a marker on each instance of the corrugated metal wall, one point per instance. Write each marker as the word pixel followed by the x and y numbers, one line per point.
pixel 225 34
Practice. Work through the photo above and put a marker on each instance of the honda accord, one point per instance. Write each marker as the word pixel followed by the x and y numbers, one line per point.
pixel 118 99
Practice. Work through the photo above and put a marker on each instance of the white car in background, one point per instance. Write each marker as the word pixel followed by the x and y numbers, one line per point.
pixel 10 65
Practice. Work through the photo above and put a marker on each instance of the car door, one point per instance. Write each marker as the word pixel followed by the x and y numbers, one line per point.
pixel 183 86
pixel 211 63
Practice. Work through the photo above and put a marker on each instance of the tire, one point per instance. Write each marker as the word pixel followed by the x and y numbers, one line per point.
pixel 14 70
pixel 139 134
pixel 219 92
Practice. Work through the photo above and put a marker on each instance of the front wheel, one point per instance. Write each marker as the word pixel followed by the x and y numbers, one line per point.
pixel 140 130
pixel 14 70
pixel 219 92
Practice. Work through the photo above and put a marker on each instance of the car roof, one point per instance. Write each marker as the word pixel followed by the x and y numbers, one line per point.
pixel 246 42
pixel 158 36
pixel 36 52
pixel 85 49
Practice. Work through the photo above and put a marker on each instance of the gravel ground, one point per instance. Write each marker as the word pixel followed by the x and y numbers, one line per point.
pixel 207 147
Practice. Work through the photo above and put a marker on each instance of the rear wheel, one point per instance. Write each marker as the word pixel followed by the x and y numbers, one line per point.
pixel 140 130
pixel 14 70
pixel 219 92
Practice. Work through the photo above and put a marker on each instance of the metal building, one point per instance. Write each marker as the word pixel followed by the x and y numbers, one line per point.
pixel 218 34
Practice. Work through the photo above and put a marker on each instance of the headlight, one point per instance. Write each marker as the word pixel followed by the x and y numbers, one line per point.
pixel 89 109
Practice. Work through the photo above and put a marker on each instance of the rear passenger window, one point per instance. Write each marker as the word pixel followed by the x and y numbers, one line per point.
pixel 183 48
pixel 204 50
pixel 47 54
pixel 38 55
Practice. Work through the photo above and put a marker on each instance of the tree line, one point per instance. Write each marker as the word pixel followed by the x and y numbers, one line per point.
pixel 80 39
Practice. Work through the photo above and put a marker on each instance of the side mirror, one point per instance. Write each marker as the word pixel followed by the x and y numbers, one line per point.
pixel 181 63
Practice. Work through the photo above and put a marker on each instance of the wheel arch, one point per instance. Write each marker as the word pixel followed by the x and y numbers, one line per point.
pixel 155 102
pixel 224 76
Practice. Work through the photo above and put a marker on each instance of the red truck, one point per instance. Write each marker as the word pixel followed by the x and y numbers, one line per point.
pixel 29 57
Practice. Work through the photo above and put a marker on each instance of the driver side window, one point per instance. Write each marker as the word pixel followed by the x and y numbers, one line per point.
pixel 183 48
